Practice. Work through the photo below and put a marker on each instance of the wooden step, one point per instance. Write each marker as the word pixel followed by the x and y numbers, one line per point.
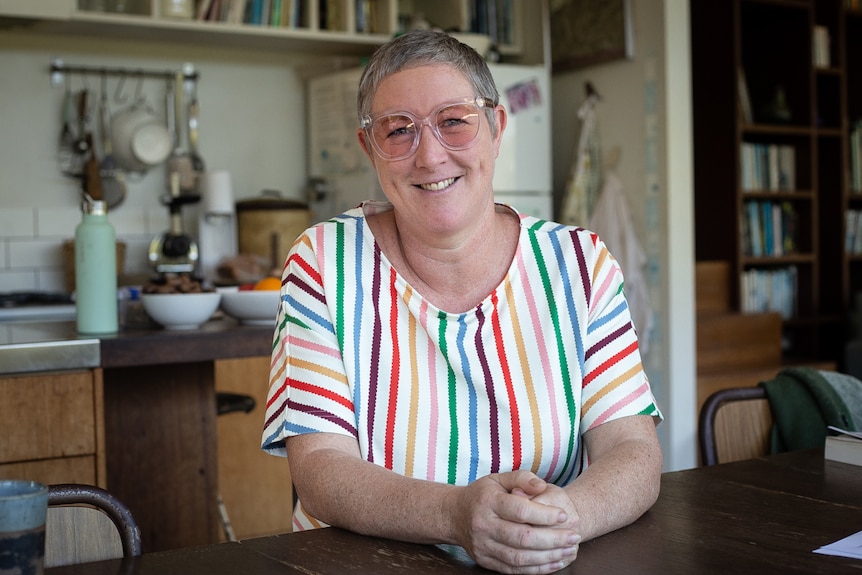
pixel 709 383
pixel 738 342
pixel 712 286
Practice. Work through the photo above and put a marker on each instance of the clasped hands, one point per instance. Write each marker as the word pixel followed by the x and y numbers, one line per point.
pixel 515 522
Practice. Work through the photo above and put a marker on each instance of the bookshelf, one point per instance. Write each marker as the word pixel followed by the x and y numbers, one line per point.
pixel 318 27
pixel 777 87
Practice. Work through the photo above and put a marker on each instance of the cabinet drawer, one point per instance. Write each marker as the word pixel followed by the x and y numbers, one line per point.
pixel 47 415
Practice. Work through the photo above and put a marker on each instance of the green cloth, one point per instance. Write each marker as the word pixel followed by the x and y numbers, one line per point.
pixel 850 390
pixel 803 403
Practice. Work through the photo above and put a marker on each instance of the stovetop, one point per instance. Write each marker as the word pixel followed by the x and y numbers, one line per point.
pixel 32 305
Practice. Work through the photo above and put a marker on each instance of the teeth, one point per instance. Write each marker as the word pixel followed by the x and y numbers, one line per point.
pixel 437 186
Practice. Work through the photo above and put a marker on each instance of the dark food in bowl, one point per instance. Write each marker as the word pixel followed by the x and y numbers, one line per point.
pixel 175 283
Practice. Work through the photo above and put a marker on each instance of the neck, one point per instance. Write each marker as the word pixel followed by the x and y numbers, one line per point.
pixel 456 272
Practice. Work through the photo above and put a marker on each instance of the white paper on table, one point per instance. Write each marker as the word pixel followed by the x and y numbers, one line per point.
pixel 848 547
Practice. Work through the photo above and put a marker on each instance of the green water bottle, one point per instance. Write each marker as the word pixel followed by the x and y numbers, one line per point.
pixel 96 271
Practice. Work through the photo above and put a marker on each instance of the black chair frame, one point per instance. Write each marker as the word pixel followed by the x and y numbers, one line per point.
pixel 76 494
pixel 706 420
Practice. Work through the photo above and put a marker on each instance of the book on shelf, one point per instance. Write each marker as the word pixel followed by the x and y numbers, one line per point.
pixel 857 236
pixel 820 47
pixel 789 224
pixel 744 99
pixel 856 157
pixel 769 290
pixel 845 447
pixel 754 229
pixel 769 228
pixel 767 167
pixel 850 228
pixel 276 13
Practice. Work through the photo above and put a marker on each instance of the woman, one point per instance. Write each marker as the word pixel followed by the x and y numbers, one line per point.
pixel 445 368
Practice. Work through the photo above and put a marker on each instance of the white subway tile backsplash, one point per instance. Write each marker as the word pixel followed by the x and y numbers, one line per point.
pixel 57 222
pixel 136 255
pixel 17 280
pixel 34 254
pixel 129 220
pixel 52 280
pixel 17 223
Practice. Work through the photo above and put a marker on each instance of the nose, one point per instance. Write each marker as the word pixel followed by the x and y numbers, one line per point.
pixel 429 150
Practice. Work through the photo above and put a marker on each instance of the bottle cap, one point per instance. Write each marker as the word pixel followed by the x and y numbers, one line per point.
pixel 94 207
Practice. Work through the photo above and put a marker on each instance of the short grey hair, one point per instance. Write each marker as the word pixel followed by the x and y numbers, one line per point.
pixel 420 48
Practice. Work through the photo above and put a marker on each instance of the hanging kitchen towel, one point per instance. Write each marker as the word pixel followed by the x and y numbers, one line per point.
pixel 612 221
pixel 583 183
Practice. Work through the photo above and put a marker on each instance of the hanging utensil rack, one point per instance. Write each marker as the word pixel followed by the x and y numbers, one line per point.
pixel 59 69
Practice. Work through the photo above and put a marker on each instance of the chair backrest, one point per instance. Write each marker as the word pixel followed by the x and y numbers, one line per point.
pixel 86 523
pixel 734 424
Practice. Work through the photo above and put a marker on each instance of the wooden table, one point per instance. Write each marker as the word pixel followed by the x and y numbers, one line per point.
pixel 759 516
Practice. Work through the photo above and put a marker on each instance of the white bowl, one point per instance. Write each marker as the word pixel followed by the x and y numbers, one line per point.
pixel 181 310
pixel 251 307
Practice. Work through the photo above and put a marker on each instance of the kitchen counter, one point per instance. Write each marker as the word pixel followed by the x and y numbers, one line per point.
pixel 54 345
pixel 158 408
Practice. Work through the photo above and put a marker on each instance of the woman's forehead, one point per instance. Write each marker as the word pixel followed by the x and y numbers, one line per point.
pixel 419 89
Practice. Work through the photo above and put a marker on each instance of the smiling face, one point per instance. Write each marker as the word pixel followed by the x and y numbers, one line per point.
pixel 443 190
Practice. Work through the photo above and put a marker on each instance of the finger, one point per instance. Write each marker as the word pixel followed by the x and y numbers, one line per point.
pixel 507 559
pixel 526 481
pixel 519 509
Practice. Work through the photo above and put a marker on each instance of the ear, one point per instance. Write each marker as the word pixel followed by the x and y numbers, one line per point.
pixel 501 119
pixel 366 145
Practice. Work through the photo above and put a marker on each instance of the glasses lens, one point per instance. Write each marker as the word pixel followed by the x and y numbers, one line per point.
pixel 457 124
pixel 394 135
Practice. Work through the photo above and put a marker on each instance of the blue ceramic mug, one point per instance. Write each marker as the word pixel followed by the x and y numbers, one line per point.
pixel 23 510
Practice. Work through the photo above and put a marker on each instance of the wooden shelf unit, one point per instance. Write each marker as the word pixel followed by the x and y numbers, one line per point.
pixel 339 38
pixel 770 44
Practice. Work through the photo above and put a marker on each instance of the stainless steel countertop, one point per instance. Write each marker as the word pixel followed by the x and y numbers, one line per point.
pixel 49 356
pixel 40 345
pixel 36 345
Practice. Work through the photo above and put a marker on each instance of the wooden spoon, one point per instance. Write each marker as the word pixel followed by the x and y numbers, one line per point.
pixel 92 177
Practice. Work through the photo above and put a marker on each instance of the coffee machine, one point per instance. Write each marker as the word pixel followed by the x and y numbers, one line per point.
pixel 175 251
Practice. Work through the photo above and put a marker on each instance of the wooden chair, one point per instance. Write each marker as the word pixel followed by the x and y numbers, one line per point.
pixel 86 523
pixel 734 424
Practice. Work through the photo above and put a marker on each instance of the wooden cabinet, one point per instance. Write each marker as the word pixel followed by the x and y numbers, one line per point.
pixel 52 427
pixel 771 160
pixel 256 487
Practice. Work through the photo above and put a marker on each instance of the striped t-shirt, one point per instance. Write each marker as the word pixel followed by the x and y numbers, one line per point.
pixel 451 397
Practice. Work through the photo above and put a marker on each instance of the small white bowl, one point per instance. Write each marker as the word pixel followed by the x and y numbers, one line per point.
pixel 251 307
pixel 181 310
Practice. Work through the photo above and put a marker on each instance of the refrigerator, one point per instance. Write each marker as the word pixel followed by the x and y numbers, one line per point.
pixel 341 176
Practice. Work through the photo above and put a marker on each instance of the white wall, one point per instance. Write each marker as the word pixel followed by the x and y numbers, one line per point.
pixel 252 124
pixel 645 114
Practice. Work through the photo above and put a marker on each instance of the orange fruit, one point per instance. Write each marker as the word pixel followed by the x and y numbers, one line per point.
pixel 270 283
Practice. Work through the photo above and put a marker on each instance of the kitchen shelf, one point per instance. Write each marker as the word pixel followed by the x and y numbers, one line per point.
pixel 63 17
